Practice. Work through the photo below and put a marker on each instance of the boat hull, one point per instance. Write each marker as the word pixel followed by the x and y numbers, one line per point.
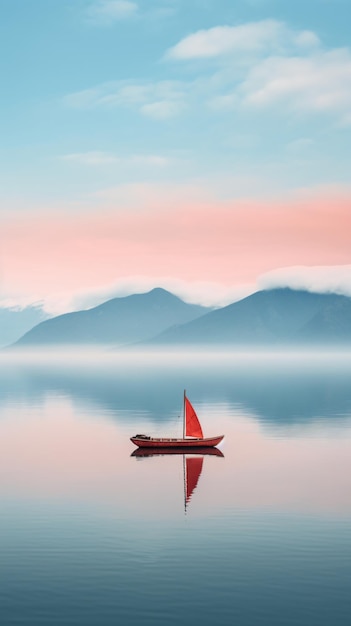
pixel 164 442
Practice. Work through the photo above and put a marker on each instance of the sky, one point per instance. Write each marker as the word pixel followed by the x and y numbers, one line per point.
pixel 198 145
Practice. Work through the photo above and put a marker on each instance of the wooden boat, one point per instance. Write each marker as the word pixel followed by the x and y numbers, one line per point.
pixel 192 434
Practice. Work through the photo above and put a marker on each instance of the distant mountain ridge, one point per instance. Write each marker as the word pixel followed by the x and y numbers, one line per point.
pixel 158 318
pixel 272 317
pixel 118 321
pixel 15 322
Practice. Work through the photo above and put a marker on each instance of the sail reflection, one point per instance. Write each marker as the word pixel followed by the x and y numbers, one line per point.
pixel 192 471
pixel 192 464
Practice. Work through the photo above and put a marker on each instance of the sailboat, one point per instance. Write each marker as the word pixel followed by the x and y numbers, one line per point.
pixel 192 434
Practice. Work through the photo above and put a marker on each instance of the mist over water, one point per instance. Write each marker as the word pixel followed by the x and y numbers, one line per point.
pixel 91 534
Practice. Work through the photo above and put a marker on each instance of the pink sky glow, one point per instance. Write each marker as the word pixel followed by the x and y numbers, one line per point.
pixel 227 243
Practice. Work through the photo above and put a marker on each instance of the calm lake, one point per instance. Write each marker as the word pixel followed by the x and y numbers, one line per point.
pixel 91 534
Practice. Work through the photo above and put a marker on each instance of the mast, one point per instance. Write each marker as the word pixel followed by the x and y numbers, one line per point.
pixel 184 468
pixel 184 480
pixel 184 415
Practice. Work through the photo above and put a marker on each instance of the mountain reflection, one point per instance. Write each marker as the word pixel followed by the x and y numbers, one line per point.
pixel 280 391
pixel 192 464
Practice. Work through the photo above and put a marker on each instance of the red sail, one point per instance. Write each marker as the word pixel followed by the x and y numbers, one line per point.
pixel 193 471
pixel 192 424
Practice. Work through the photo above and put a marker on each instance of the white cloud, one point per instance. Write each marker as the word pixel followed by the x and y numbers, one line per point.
pixel 196 292
pixel 19 302
pixel 162 110
pixel 266 35
pixel 91 158
pixel 160 100
pixel 97 158
pixel 299 146
pixel 108 11
pixel 83 99
pixel 307 39
pixel 257 65
pixel 267 64
pixel 318 279
pixel 149 159
pixel 321 82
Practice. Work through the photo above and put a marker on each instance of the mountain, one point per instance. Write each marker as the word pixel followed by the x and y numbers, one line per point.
pixel 118 321
pixel 266 318
pixel 272 317
pixel 15 322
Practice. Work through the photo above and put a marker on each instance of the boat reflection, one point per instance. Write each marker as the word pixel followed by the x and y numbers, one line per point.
pixel 144 452
pixel 192 464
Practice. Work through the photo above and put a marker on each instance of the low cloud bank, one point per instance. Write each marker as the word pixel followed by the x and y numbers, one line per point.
pixel 320 279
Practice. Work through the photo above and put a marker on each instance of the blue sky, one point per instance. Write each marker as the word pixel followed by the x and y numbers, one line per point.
pixel 56 145
pixel 121 104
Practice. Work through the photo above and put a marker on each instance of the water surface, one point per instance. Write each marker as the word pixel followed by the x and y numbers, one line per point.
pixel 91 534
